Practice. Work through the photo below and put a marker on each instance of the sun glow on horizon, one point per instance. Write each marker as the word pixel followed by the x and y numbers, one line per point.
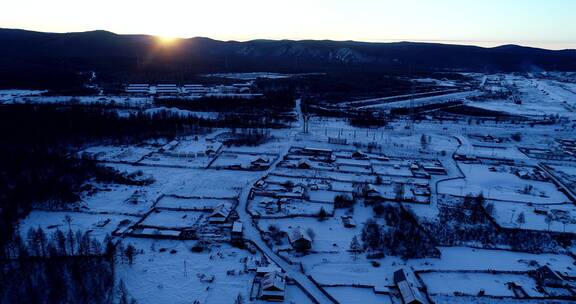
pixel 166 40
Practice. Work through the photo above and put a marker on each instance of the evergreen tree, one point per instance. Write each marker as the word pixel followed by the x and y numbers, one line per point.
pixel 355 247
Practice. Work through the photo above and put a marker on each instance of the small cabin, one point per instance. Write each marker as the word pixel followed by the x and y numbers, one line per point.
pixel 304 165
pixel 408 289
pixel 273 287
pixel 236 234
pixel 260 163
pixel 299 240
pixel 359 155
pixel 220 214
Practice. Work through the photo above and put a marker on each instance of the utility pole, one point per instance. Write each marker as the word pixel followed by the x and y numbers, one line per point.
pixel 411 118
pixel 305 125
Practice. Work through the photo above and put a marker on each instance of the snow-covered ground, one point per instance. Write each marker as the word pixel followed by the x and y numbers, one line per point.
pixel 448 283
pixel 539 97
pixel 193 175
pixel 502 185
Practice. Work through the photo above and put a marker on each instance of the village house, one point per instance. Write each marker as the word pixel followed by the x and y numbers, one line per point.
pixel 167 89
pixel 359 155
pixel 273 287
pixel 220 214
pixel 303 164
pixel 263 270
pixel 372 192
pixel 408 289
pixel 543 210
pixel 260 163
pixel 434 169
pixel 169 146
pixel 138 89
pixel 299 240
pixel 236 235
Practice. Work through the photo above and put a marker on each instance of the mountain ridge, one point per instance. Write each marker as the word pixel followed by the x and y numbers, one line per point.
pixel 112 54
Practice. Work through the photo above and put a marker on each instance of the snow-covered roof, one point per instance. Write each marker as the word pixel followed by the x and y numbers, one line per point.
pixel 222 210
pixel 237 227
pixel 260 160
pixel 319 150
pixel 408 288
pixel 372 188
pixel 298 234
pixel 273 281
pixel 267 269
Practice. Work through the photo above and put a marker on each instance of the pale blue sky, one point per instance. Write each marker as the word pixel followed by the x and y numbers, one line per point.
pixel 541 23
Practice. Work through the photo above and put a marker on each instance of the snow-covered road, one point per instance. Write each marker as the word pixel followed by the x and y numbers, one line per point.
pixel 252 233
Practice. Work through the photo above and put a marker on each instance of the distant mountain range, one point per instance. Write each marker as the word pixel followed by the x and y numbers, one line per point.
pixel 120 55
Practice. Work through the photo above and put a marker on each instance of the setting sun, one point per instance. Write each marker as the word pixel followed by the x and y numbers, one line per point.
pixel 166 40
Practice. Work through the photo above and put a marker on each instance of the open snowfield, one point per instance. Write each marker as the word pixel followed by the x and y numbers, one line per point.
pixel 355 295
pixel 194 203
pixel 342 269
pixel 497 152
pixel 175 160
pixel 448 283
pixel 121 199
pixel 164 277
pixel 539 98
pixel 501 186
pixel 195 182
pixel 173 219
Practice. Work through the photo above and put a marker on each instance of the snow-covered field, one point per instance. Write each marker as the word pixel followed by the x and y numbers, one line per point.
pixel 192 175
pixel 449 283
pixel 354 295
pixel 539 97
pixel 501 185
pixel 159 276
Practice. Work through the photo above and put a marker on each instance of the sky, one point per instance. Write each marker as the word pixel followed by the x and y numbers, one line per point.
pixel 540 23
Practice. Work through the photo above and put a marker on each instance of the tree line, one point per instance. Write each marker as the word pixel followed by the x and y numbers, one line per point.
pixel 64 267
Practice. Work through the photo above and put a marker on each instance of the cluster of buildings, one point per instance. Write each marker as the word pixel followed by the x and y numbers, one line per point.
pixel 245 90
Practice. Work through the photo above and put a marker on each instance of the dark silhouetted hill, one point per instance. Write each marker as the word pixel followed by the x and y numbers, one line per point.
pixel 56 59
